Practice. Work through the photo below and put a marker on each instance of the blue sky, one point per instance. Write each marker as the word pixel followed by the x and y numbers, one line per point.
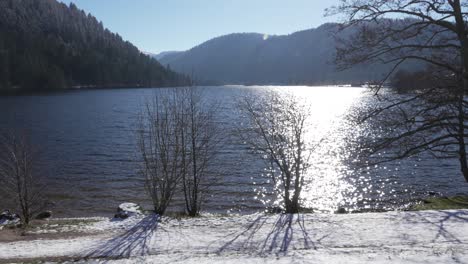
pixel 162 25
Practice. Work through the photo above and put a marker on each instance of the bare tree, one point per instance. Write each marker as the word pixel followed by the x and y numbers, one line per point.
pixel 178 138
pixel 161 148
pixel 201 137
pixel 18 177
pixel 276 129
pixel 434 32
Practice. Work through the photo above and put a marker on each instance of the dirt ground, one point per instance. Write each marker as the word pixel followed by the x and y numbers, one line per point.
pixel 15 234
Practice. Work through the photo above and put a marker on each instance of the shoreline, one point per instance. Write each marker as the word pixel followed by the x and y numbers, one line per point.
pixel 16 92
pixel 431 202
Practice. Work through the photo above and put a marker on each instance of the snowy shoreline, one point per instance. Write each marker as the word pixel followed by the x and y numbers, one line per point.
pixel 391 237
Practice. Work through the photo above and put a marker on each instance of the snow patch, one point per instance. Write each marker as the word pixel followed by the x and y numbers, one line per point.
pixel 392 237
pixel 130 207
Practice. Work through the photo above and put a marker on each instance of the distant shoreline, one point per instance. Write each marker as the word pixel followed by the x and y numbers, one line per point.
pixel 17 92
pixel 12 92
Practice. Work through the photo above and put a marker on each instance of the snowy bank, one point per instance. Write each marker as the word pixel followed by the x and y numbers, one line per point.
pixel 393 237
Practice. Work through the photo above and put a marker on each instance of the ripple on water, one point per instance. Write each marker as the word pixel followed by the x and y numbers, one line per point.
pixel 88 151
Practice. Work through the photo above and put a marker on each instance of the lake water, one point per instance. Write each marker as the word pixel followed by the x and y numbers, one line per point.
pixel 88 156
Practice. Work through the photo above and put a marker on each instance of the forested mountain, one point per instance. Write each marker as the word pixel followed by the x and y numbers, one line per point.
pixel 305 57
pixel 46 45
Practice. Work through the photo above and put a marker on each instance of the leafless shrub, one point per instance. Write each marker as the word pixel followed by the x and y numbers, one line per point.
pixel 276 129
pixel 160 147
pixel 177 143
pixel 18 176
pixel 201 137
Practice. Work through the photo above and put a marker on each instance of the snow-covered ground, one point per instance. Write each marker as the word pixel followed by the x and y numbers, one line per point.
pixel 393 237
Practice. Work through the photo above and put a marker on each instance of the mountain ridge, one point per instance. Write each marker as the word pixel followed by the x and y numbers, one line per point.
pixel 302 57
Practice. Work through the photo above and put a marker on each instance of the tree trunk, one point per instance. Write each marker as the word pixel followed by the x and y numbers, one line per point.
pixel 292 207
pixel 461 32
pixel 159 211
pixel 465 171
pixel 192 213
pixel 461 136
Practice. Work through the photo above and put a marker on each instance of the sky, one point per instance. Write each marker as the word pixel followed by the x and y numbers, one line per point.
pixel 165 25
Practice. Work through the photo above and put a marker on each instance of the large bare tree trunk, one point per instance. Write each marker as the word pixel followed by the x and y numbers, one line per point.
pixel 434 33
pixel 463 90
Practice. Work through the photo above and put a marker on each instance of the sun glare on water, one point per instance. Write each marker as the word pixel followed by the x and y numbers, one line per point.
pixel 327 134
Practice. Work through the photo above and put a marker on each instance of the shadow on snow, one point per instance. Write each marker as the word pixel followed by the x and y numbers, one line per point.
pixel 134 242
pixel 286 229
pixel 440 224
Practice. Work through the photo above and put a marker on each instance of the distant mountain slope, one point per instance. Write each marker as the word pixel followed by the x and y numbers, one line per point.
pixel 165 53
pixel 305 57
pixel 49 45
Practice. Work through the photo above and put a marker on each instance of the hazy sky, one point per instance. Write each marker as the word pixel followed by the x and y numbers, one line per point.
pixel 162 25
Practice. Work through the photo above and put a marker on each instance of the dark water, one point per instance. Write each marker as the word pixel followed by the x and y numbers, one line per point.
pixel 88 155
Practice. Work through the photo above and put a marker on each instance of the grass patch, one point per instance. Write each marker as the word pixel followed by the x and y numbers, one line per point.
pixel 442 203
pixel 71 221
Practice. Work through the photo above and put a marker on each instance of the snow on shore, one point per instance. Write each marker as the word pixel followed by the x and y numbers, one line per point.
pixel 393 237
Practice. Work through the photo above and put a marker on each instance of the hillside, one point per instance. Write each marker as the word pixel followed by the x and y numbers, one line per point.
pixel 304 57
pixel 163 54
pixel 48 45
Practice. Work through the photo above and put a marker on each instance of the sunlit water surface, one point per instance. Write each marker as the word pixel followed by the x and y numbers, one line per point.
pixel 88 154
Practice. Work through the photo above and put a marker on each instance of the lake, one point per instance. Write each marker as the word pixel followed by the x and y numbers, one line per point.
pixel 87 154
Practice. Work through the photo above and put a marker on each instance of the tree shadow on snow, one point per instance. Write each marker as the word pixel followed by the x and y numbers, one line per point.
pixel 440 223
pixel 134 242
pixel 286 229
pixel 443 232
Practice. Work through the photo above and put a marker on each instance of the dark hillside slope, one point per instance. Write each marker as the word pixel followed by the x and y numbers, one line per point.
pixel 48 45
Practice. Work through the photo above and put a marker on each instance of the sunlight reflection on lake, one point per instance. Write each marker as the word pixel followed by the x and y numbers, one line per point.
pixel 88 151
pixel 327 133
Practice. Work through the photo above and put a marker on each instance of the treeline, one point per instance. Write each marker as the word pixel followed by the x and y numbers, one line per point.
pixel 406 81
pixel 46 45
pixel 425 80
